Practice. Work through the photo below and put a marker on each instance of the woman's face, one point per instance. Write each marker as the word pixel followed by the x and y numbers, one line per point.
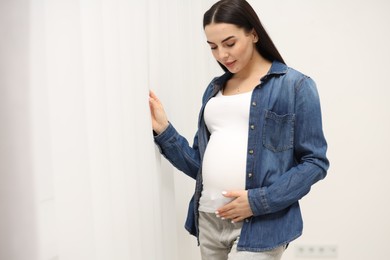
pixel 231 45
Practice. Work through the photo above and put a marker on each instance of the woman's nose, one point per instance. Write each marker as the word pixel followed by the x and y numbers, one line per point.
pixel 223 54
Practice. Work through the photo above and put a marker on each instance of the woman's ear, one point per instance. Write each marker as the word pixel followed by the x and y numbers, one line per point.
pixel 255 37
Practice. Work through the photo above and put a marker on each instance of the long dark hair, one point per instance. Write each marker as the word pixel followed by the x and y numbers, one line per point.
pixel 241 14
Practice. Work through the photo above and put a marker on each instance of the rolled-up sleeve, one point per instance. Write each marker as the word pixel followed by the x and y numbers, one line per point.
pixel 176 149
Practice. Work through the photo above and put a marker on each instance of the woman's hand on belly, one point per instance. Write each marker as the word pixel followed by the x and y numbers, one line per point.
pixel 237 210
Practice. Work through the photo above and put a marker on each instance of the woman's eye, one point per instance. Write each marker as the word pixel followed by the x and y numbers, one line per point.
pixel 213 47
pixel 231 44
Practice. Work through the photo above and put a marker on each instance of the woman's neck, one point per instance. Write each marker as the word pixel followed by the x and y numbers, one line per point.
pixel 257 67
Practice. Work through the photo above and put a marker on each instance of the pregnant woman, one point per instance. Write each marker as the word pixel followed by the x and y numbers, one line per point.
pixel 259 146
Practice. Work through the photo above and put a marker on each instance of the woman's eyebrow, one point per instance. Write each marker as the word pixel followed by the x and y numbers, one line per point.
pixel 226 39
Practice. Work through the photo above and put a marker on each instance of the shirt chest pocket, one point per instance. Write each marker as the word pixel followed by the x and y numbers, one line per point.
pixel 278 131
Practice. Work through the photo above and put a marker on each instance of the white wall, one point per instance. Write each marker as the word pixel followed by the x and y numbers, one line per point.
pixel 76 154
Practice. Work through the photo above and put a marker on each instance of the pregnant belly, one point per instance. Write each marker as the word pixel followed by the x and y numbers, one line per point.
pixel 224 163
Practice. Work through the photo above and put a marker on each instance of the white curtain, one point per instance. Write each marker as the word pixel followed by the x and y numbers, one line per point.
pixel 94 160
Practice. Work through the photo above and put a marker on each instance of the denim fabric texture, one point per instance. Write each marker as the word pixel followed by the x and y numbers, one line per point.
pixel 286 155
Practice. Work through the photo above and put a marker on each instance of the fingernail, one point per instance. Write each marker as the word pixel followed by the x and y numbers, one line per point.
pixel 233 222
pixel 224 192
pixel 218 216
pixel 223 218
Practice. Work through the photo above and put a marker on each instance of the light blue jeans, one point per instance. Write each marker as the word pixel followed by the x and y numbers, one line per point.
pixel 218 241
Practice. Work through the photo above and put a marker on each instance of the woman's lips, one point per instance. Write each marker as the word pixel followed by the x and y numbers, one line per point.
pixel 229 64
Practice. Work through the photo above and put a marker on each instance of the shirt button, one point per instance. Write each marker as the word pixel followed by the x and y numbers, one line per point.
pixel 250 175
pixel 252 127
pixel 251 151
pixel 246 220
pixel 254 103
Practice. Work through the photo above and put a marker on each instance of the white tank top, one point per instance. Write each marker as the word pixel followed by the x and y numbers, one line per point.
pixel 224 161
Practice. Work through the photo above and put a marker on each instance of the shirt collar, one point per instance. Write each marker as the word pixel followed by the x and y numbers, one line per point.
pixel 277 68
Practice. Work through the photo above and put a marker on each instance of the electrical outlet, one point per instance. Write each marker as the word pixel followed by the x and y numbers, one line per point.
pixel 316 251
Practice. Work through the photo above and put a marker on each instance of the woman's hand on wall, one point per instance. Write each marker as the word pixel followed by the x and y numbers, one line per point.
pixel 159 117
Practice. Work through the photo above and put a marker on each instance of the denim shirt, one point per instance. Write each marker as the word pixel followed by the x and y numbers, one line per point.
pixel 286 155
